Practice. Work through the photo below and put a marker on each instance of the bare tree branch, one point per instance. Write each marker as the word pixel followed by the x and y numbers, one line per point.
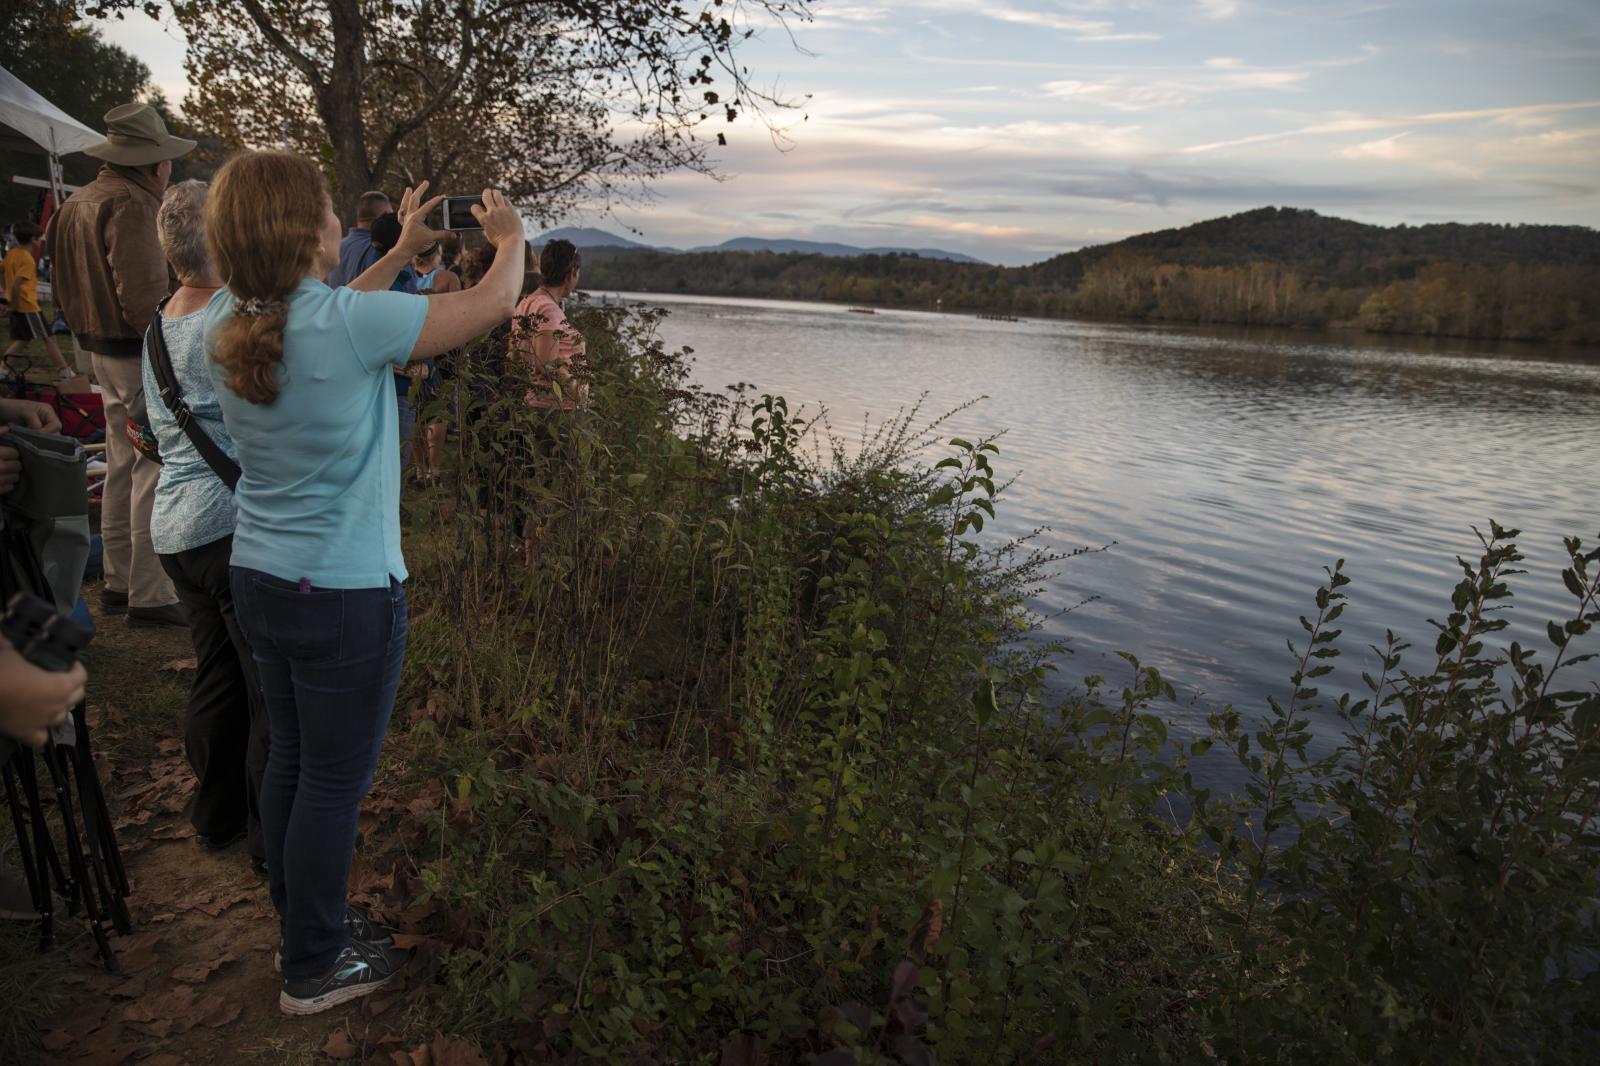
pixel 271 32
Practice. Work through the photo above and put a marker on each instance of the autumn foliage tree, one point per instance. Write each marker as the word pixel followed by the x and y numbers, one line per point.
pixel 555 101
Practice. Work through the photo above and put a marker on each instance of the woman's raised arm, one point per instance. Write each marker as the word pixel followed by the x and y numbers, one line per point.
pixel 415 235
pixel 454 318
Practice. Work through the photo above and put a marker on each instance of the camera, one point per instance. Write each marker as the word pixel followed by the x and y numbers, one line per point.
pixel 45 639
pixel 458 212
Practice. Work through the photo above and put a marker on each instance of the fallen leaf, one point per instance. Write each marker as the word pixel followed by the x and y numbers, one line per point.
pixel 196 973
pixel 376 1005
pixel 410 940
pixel 143 1010
pixel 177 665
pixel 448 1051
pixel 57 1040
pixel 216 1011
pixel 215 905
pixel 139 817
pixel 106 1046
pixel 160 1028
pixel 339 1046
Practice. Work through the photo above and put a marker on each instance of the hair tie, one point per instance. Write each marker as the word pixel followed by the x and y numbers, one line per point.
pixel 256 307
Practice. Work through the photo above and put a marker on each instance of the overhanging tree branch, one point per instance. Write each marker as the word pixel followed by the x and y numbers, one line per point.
pixel 408 126
pixel 302 62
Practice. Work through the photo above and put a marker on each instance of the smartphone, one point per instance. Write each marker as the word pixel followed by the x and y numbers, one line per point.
pixel 458 212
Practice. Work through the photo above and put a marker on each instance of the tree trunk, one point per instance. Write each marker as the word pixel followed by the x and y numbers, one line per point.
pixel 339 105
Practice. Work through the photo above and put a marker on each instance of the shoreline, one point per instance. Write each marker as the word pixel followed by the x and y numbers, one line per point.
pixel 1344 329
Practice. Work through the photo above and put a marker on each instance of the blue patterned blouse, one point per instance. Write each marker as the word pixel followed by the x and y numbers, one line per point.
pixel 193 507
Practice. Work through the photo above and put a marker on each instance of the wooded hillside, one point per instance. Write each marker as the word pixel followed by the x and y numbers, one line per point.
pixel 1278 266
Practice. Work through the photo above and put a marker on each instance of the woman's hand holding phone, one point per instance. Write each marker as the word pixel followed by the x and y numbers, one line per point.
pixel 502 224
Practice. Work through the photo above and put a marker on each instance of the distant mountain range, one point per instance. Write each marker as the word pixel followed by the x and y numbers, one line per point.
pixel 588 237
pixel 1269 266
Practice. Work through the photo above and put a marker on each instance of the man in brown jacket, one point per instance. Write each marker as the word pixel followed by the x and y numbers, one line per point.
pixel 108 276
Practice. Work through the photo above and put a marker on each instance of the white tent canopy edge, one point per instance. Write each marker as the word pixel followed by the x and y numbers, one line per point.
pixel 42 122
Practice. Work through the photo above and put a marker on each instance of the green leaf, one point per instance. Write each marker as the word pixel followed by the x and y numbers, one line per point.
pixel 1574 586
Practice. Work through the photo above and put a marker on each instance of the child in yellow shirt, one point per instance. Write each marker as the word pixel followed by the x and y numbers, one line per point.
pixel 22 292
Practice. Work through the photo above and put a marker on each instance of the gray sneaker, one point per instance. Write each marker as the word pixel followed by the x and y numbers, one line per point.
pixel 360 970
pixel 361 926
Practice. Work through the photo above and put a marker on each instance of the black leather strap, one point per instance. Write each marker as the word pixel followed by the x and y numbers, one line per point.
pixel 172 395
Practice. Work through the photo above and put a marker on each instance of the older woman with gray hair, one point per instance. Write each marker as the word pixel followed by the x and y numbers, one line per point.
pixel 191 526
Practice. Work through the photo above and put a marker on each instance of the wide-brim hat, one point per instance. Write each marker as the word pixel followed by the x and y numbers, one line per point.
pixel 136 137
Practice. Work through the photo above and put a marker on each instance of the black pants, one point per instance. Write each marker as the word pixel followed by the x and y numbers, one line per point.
pixel 225 734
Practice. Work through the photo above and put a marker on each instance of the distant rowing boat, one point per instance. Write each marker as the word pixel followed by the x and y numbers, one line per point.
pixel 996 318
pixel 863 310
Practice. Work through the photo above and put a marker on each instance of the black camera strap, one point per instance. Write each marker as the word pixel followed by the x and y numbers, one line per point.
pixel 172 395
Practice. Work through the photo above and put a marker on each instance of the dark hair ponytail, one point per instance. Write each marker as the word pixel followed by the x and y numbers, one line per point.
pixel 557 261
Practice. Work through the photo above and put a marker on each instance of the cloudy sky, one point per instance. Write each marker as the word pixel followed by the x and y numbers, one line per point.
pixel 1017 129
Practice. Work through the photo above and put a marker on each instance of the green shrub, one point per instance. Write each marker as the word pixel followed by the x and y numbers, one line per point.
pixel 1433 882
pixel 752 763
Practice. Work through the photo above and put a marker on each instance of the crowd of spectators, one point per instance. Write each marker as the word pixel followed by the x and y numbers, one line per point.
pixel 278 359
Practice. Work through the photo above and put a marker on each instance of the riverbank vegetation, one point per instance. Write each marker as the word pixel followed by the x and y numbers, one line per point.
pixel 1273 266
pixel 760 760
pixel 758 763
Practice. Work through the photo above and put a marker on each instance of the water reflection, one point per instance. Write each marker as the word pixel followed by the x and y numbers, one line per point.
pixel 1229 466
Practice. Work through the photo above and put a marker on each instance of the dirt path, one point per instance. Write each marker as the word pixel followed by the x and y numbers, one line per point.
pixel 197 984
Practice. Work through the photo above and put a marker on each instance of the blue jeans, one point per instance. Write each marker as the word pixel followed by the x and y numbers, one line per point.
pixel 329 661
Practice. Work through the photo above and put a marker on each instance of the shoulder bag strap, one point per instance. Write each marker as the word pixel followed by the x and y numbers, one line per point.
pixel 172 395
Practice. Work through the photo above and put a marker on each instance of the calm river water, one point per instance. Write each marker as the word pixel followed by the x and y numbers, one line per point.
pixel 1229 467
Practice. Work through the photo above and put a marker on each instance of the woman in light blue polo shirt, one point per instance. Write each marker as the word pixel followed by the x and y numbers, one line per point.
pixel 306 384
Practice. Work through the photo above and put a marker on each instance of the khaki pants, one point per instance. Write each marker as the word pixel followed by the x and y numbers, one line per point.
pixel 82 358
pixel 130 559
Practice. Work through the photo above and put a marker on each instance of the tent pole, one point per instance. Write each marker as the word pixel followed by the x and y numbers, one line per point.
pixel 55 173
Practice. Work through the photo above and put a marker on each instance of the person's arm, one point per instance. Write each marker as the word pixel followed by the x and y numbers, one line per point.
pixel 381 274
pixel 33 415
pixel 30 413
pixel 454 318
pixel 414 236
pixel 136 262
pixel 32 700
pixel 546 357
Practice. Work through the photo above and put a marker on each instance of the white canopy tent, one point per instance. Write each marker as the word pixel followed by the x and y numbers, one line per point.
pixel 30 122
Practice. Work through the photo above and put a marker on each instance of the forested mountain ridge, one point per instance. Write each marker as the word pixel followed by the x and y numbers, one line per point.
pixel 1278 266
pixel 1337 251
